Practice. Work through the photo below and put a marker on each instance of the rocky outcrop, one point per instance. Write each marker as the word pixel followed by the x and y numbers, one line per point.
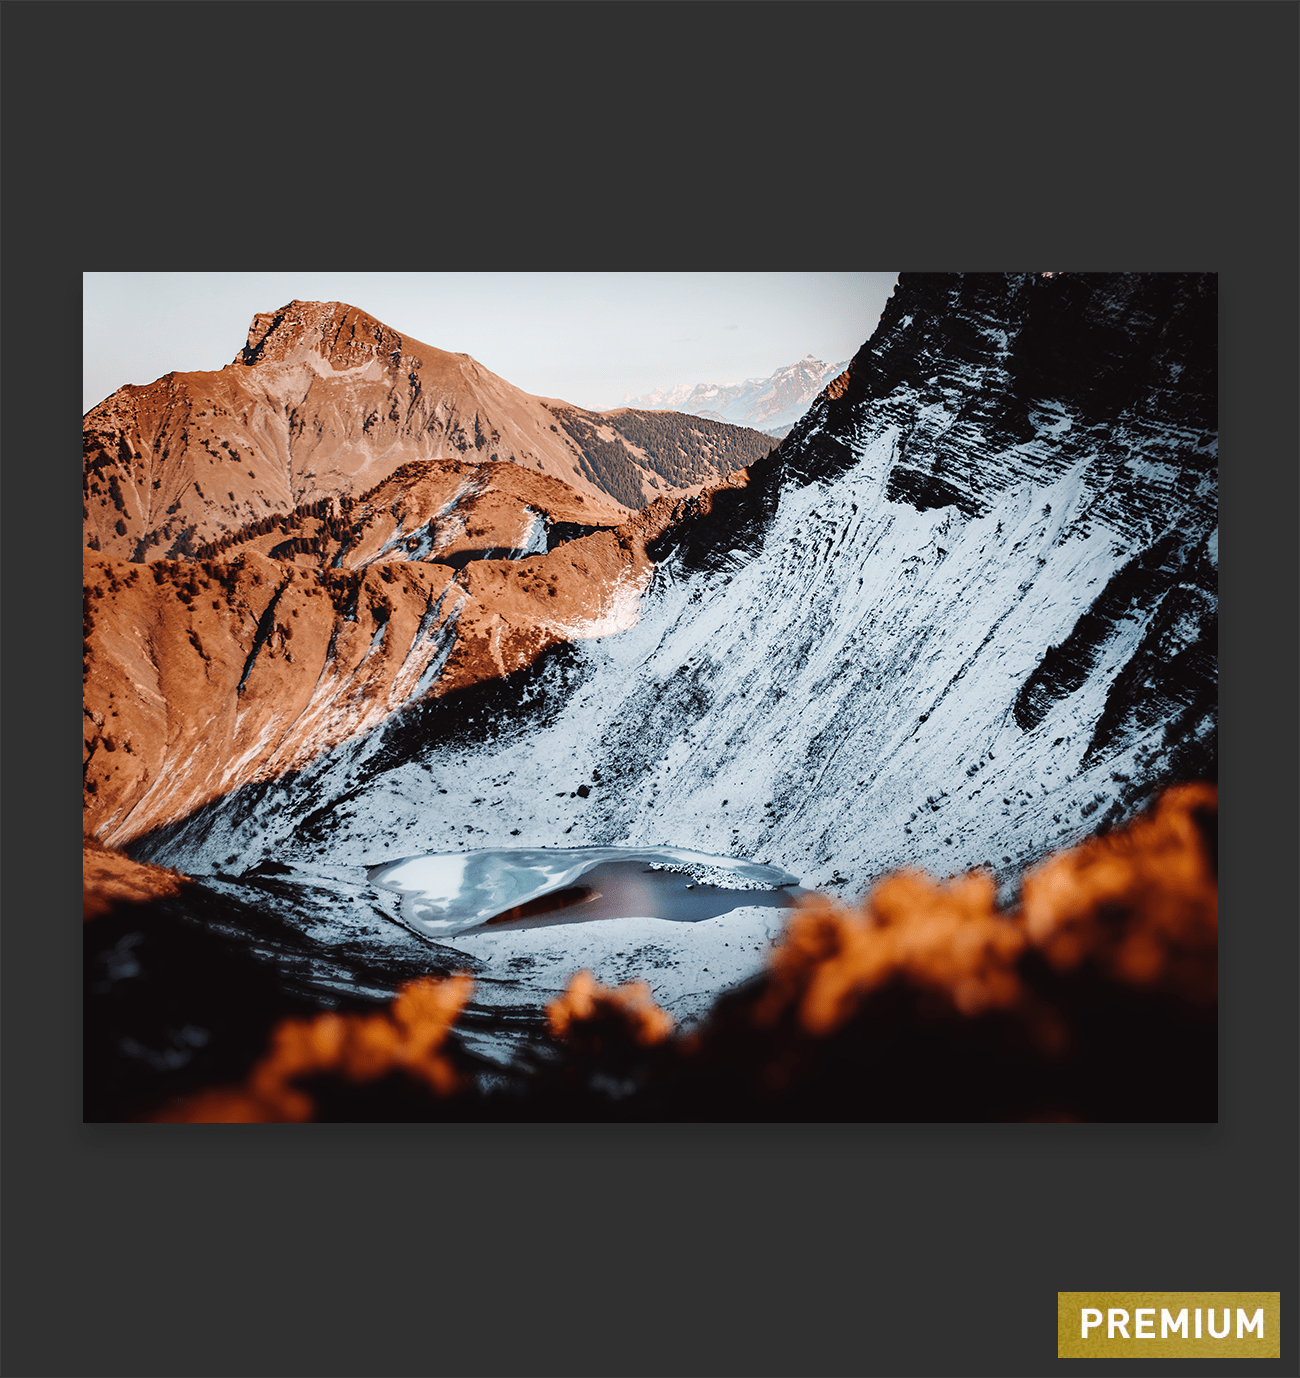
pixel 202 677
pixel 979 383
pixel 110 879
pixel 322 404
pixel 980 390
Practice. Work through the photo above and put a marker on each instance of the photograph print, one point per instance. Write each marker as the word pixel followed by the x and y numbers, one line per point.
pixel 661 697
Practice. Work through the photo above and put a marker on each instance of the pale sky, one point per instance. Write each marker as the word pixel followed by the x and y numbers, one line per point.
pixel 589 338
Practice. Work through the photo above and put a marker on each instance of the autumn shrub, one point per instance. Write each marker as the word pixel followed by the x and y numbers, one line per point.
pixel 407 1039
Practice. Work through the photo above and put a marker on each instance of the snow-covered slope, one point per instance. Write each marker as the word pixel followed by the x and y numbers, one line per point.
pixel 962 616
pixel 767 404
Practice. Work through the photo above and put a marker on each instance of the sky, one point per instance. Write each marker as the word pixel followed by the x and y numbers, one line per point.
pixel 592 339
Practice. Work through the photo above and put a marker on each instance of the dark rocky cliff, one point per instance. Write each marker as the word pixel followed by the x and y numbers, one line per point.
pixel 985 382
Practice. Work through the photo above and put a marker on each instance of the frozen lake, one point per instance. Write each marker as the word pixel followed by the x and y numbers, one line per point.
pixel 448 893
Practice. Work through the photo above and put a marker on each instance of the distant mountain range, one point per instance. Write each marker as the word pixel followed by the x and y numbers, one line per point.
pixel 771 405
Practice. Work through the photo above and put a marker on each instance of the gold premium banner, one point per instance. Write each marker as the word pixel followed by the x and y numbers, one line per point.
pixel 1168 1325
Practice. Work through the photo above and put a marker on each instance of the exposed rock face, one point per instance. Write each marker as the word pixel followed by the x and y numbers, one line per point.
pixel 204 676
pixel 307 630
pixel 325 402
pixel 110 878
pixel 768 404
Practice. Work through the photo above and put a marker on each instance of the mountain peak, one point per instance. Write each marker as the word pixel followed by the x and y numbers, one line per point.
pixel 344 335
pixel 330 402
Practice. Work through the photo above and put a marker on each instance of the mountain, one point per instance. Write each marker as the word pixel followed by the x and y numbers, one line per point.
pixel 304 631
pixel 771 404
pixel 325 402
pixel 964 615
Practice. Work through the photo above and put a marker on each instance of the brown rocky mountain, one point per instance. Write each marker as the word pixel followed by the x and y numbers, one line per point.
pixel 204 675
pixel 325 402
pixel 342 521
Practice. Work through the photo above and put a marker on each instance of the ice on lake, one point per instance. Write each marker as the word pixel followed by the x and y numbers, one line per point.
pixel 449 892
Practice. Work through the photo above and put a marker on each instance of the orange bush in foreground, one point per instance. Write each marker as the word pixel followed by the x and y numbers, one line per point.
pixel 1140 904
pixel 944 936
pixel 630 1004
pixel 358 1047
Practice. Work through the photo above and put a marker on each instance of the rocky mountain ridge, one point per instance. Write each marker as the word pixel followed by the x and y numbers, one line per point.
pixel 325 402
pixel 202 676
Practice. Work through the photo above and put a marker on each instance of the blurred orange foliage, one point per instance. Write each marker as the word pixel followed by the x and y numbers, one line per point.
pixel 358 1047
pixel 1141 904
pixel 631 1004
pixel 945 936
